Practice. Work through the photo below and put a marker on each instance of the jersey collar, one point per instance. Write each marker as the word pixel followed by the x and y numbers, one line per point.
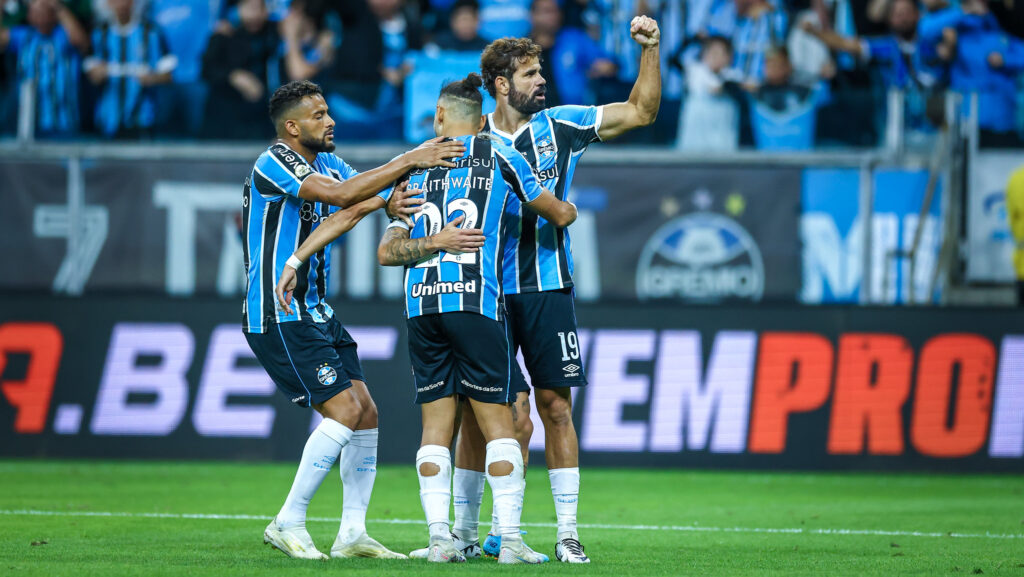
pixel 502 133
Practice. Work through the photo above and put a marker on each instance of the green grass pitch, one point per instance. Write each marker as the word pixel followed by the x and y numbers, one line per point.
pixel 667 522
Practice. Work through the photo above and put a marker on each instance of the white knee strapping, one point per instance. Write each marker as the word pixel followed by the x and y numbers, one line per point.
pixel 506 489
pixel 435 490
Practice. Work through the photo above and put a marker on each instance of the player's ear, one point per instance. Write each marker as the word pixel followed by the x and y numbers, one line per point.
pixel 292 128
pixel 501 84
pixel 480 125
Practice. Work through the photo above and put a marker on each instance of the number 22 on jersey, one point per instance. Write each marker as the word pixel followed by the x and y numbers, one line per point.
pixel 434 222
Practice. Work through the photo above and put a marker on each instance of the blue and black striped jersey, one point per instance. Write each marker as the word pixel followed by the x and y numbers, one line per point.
pixel 538 255
pixel 128 52
pixel 486 178
pixel 275 221
pixel 52 62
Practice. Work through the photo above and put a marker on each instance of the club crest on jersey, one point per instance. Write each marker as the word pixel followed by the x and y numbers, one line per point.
pixel 545 148
pixel 326 375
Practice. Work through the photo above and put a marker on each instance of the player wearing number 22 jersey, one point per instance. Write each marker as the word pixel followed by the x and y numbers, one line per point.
pixel 479 189
pixel 458 342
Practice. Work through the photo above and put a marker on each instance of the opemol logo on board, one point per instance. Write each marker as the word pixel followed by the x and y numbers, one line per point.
pixel 703 257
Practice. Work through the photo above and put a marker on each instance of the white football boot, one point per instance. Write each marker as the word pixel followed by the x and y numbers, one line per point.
pixel 569 550
pixel 293 541
pixel 469 549
pixel 363 546
pixel 515 551
pixel 442 550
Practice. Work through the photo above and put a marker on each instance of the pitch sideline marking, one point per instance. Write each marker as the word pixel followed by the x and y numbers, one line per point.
pixel 680 528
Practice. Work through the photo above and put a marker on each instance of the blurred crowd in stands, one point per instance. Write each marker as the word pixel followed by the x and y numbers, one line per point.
pixel 783 74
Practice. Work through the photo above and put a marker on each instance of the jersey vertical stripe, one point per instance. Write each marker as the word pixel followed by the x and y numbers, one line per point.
pixel 477 188
pixel 538 255
pixel 276 221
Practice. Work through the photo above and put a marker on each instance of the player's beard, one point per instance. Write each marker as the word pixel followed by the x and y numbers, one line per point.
pixel 321 145
pixel 523 103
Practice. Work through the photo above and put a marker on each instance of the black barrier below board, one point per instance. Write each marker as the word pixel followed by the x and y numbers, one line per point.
pixel 723 387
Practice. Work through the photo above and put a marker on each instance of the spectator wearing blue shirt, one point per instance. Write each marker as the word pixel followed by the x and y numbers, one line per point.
pixel 186 25
pixel 47 52
pixel 899 57
pixel 571 58
pixel 986 61
pixel 755 27
pixel 129 59
pixel 504 18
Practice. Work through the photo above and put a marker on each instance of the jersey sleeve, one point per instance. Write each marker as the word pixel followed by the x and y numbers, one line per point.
pixel 581 122
pixel 280 171
pixel 518 174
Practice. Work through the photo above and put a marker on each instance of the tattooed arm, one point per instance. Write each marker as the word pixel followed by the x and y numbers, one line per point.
pixel 397 249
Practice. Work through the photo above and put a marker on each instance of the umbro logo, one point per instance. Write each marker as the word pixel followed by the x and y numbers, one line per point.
pixel 299 399
pixel 570 368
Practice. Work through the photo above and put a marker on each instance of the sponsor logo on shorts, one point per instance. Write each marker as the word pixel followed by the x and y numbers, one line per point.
pixel 470 385
pixel 299 399
pixel 430 387
pixel 440 288
pixel 326 375
pixel 571 370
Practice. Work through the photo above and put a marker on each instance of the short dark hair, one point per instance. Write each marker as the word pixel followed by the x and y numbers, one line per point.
pixel 716 39
pixel 466 94
pixel 460 4
pixel 503 56
pixel 286 97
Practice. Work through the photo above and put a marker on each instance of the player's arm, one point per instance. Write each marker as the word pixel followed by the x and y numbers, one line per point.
pixel 434 152
pixel 642 107
pixel 397 249
pixel 558 212
pixel 330 229
pixel 516 172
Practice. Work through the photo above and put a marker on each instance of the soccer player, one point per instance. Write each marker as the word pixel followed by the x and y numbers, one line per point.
pixel 309 355
pixel 538 270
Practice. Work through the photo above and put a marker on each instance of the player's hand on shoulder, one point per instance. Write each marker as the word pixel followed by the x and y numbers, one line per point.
pixel 456 240
pixel 436 152
pixel 402 204
pixel 284 288
pixel 645 31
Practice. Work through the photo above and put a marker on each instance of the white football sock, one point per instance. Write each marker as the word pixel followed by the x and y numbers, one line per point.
pixel 507 489
pixel 468 493
pixel 436 491
pixel 358 472
pixel 322 448
pixel 565 488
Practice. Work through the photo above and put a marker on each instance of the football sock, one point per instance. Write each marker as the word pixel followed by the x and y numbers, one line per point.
pixel 507 489
pixel 468 491
pixel 565 488
pixel 358 472
pixel 320 453
pixel 435 490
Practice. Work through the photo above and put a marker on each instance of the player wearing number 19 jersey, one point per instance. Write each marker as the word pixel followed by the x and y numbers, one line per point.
pixel 538 264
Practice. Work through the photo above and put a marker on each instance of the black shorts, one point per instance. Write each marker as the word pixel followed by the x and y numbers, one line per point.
pixel 460 353
pixel 543 325
pixel 309 362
